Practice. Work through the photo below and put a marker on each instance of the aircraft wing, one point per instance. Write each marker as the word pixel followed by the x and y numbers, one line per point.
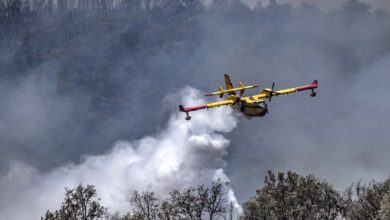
pixel 267 93
pixel 207 105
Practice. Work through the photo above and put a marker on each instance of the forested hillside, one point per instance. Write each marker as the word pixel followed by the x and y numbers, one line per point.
pixel 82 67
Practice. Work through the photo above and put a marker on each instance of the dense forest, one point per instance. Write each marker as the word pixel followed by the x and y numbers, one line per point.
pixel 283 196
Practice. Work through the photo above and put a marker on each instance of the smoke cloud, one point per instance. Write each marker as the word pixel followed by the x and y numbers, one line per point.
pixel 184 153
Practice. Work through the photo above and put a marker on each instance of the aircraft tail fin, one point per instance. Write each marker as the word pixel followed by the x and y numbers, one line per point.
pixel 228 82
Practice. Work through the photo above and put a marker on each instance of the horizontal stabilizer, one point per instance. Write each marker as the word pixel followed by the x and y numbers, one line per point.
pixel 241 89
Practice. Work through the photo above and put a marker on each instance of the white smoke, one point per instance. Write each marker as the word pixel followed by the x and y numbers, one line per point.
pixel 185 153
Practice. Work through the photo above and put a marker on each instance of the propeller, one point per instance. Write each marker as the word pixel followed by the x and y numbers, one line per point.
pixel 239 101
pixel 271 93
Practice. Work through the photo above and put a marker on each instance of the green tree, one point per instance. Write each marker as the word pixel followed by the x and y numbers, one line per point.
pixel 194 203
pixel 80 203
pixel 366 202
pixel 293 197
pixel 384 212
pixel 145 205
pixel 200 202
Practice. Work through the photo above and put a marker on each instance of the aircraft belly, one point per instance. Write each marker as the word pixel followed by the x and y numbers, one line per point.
pixel 254 111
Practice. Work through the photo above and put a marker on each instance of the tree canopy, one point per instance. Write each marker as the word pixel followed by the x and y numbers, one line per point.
pixel 282 196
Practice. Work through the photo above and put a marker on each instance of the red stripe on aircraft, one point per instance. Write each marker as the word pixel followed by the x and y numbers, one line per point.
pixel 313 85
pixel 189 109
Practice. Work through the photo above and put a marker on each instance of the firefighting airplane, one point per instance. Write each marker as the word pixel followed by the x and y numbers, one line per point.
pixel 251 106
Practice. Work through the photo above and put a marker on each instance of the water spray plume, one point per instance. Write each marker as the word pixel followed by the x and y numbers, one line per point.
pixel 185 153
